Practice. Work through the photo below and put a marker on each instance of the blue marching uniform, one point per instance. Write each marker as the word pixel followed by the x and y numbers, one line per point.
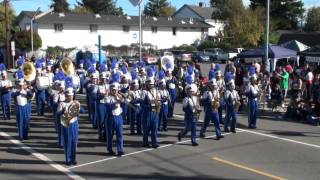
pixel 150 118
pixel 92 95
pixel 40 100
pixel 57 99
pixel 114 124
pixel 82 75
pixel 189 107
pixel 102 111
pixel 135 114
pixel 22 112
pixel 125 90
pixel 231 97
pixel 211 114
pixel 70 135
pixel 6 98
pixel 164 111
pixel 252 94
pixel 171 86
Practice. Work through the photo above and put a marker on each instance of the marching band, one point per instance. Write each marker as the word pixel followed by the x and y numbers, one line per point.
pixel 142 97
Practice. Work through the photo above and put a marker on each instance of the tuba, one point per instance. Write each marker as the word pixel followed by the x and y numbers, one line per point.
pixel 67 67
pixel 70 113
pixel 29 71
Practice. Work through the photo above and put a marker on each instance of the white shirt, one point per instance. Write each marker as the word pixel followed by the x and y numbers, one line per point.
pixel 118 109
pixel 164 94
pixel 103 89
pixel 63 106
pixel 192 102
pixel 22 99
pixel 59 97
pixel 5 83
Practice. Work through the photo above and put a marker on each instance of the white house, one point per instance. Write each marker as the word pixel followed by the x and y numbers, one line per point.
pixel 81 30
pixel 201 13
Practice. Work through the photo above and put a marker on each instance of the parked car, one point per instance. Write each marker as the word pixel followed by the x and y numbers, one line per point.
pixel 131 60
pixel 150 59
pixel 217 54
pixel 182 56
pixel 200 57
pixel 232 53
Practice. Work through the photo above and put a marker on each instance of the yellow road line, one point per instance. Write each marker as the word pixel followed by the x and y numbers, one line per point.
pixel 248 169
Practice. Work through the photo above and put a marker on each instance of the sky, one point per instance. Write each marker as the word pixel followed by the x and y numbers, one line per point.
pixel 32 5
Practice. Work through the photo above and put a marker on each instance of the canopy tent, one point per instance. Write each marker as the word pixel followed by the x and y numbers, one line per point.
pixel 312 54
pixel 275 53
pixel 295 45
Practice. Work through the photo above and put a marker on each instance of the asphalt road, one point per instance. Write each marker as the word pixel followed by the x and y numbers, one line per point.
pixel 278 149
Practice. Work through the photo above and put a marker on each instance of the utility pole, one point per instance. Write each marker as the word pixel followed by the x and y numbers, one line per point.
pixel 7 35
pixel 266 58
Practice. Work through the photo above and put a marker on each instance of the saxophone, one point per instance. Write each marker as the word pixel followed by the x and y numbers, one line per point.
pixel 215 104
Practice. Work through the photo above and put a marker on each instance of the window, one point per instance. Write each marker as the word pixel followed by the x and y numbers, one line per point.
pixel 58 27
pixel 27 26
pixel 174 31
pixel 125 28
pixel 154 29
pixel 93 27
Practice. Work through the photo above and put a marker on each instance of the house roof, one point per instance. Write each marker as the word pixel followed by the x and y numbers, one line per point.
pixel 74 18
pixel 309 39
pixel 203 12
pixel 28 14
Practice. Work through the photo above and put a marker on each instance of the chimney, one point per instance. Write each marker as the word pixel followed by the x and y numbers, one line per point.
pixel 201 4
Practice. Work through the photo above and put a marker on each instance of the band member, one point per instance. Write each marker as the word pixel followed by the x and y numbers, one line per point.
pixel 191 108
pixel 232 101
pixel 165 101
pixel 135 100
pixel 252 93
pixel 50 76
pixel 5 89
pixel 70 125
pixel 40 92
pixel 221 88
pixel 124 89
pixel 115 121
pixel 151 108
pixel 103 92
pixel 82 74
pixel 21 95
pixel 171 82
pixel 92 90
pixel 212 102
pixel 59 97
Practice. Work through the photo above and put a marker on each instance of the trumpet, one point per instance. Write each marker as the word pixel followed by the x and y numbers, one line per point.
pixel 121 97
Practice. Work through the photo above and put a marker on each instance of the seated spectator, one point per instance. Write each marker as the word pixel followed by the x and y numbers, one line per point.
pixel 296 87
pixel 276 97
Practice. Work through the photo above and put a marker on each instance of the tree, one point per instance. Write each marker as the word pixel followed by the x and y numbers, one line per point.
pixel 23 40
pixel 285 13
pixel 60 6
pixel 313 20
pixel 158 8
pixel 11 19
pixel 227 8
pixel 80 10
pixel 101 7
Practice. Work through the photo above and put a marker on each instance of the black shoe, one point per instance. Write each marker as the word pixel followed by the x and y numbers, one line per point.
pixel 165 129
pixel 159 129
pixel 68 163
pixel 179 137
pixel 111 153
pixel 120 153
pixel 74 162
pixel 155 146
pixel 146 145
pixel 233 131
pixel 195 144
pixel 202 135
pixel 226 130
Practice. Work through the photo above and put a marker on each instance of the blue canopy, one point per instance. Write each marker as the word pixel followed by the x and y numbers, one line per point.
pixel 275 52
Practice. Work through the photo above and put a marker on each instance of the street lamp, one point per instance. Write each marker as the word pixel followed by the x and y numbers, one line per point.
pixel 31 27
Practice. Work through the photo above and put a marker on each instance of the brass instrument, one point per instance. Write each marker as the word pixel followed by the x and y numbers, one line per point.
pixel 125 97
pixel 67 67
pixel 29 71
pixel 158 104
pixel 70 113
pixel 215 104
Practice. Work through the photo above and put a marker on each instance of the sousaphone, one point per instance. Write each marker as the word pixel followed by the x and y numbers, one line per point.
pixel 67 66
pixel 29 71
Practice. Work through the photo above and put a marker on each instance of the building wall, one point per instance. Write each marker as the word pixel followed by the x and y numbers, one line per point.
pixel 80 36
pixel 216 27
